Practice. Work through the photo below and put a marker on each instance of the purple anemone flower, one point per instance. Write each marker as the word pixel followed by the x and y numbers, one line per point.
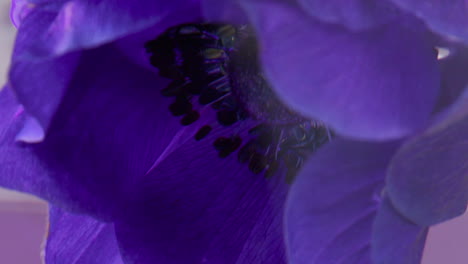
pixel 241 131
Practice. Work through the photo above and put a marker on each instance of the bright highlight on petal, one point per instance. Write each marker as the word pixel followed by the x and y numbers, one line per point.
pixel 32 132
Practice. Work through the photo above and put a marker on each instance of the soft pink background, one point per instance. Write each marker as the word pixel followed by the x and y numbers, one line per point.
pixel 23 218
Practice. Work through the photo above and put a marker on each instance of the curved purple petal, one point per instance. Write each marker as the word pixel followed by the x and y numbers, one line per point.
pixel 40 85
pixel 378 84
pixel 19 169
pixel 109 129
pixel 332 204
pixel 353 14
pixel 82 24
pixel 390 227
pixel 78 239
pixel 20 9
pixel 446 18
pixel 428 177
pixel 199 208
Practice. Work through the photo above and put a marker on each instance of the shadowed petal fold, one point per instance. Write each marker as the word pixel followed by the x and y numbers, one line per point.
pixel 110 128
pixel 199 208
pixel 449 18
pixel 378 84
pixel 79 239
pixel 454 78
pixel 333 202
pixel 396 239
pixel 428 177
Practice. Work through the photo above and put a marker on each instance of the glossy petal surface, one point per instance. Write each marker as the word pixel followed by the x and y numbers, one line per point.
pixel 353 14
pixel 79 239
pixel 199 208
pixel 378 84
pixel 333 203
pixel 428 178
pixel 449 18
pixel 110 128
pixel 395 239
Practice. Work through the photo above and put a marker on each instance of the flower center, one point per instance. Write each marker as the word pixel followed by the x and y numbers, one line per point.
pixel 217 65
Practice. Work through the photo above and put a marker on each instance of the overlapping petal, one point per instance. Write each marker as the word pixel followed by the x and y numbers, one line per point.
pixel 454 78
pixel 110 128
pixel 446 18
pixel 79 239
pixel 199 208
pixel 353 14
pixel 82 24
pixel 333 203
pixel 396 239
pixel 378 84
pixel 41 84
pixel 428 178
pixel 19 169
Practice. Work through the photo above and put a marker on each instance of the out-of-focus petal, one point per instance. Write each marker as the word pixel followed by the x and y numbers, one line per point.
pixel 199 208
pixel 133 45
pixel 223 11
pixel 79 239
pixel 454 79
pixel 20 9
pixel 395 239
pixel 109 129
pixel 446 18
pixel 428 177
pixel 332 204
pixel 379 84
pixel 82 24
pixel 353 14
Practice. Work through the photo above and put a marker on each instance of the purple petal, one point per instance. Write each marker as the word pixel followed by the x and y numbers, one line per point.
pixel 428 178
pixel 223 11
pixel 19 169
pixel 77 239
pixel 454 77
pixel 84 24
pixel 395 239
pixel 332 204
pixel 199 208
pixel 378 84
pixel 353 14
pixel 444 17
pixel 111 126
pixel 19 10
pixel 40 85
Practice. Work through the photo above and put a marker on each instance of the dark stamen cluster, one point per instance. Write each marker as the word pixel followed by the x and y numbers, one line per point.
pixel 216 65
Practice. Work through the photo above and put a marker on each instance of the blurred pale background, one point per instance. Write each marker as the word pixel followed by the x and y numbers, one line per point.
pixel 23 218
